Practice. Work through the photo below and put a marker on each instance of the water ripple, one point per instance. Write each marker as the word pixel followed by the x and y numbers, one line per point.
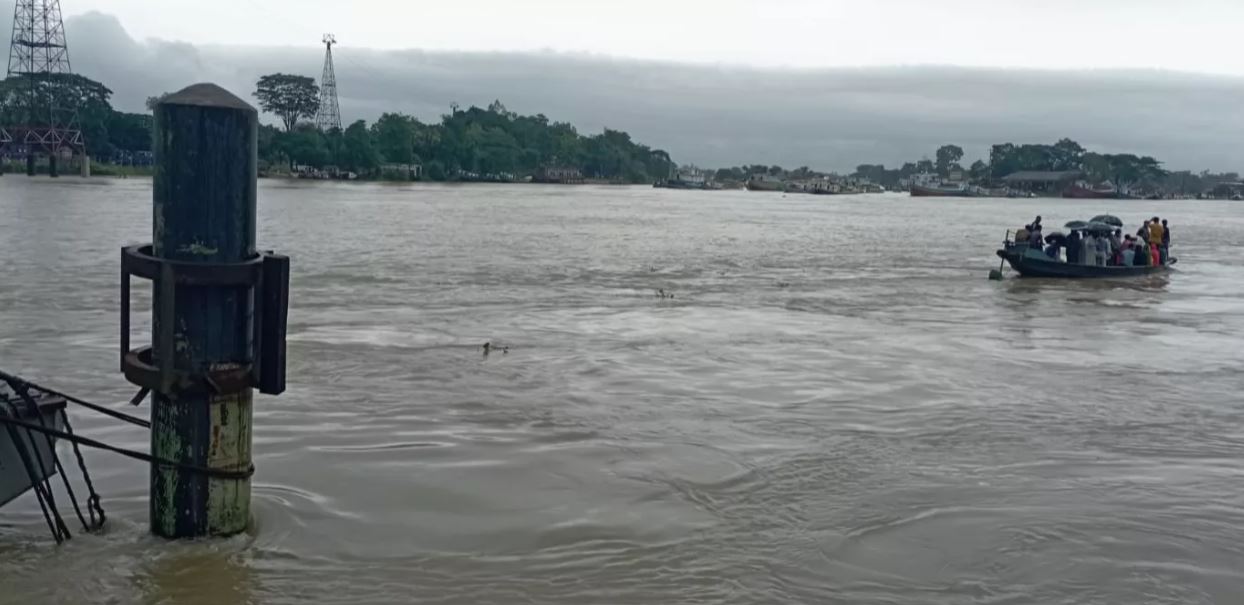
pixel 835 407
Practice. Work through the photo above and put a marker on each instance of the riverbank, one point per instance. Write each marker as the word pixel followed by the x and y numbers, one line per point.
pixel 100 169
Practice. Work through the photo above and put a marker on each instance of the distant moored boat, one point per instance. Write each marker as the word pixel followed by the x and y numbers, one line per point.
pixel 943 190
pixel 763 182
pixel 1105 191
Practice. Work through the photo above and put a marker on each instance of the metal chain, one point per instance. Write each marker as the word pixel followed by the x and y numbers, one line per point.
pixel 93 505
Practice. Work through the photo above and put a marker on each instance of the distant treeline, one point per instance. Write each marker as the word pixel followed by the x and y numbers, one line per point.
pixel 498 143
pixel 472 142
pixel 491 143
pixel 1126 170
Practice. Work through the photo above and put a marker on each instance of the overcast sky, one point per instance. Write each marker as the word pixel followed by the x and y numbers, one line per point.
pixel 1196 35
pixel 794 82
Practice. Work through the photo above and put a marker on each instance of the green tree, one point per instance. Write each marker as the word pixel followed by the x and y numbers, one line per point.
pixel 358 152
pixel 802 172
pixel 1097 167
pixel 498 151
pixel 306 145
pixel 436 171
pixel 947 156
pixel 1068 155
pixel 394 137
pixel 271 149
pixel 289 97
pixel 979 170
pixel 130 131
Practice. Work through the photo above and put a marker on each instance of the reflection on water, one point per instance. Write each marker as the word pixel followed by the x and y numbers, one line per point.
pixel 836 405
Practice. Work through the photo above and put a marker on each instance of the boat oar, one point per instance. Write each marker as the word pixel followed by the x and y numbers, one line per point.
pixel 996 274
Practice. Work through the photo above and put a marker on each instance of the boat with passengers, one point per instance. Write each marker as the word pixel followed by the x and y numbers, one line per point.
pixel 1031 260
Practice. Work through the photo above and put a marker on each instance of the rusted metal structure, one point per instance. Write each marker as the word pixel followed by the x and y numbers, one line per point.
pixel 39 62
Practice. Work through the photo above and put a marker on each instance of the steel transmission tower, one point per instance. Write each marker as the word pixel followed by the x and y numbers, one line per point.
pixel 329 115
pixel 45 121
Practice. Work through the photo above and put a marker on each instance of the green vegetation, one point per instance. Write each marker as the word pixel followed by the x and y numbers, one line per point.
pixel 494 143
pixel 289 97
pixel 471 144
pixel 948 157
pixel 1009 158
pixel 108 133
pixel 1125 170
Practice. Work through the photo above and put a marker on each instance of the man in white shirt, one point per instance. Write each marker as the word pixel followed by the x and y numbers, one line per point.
pixel 1089 254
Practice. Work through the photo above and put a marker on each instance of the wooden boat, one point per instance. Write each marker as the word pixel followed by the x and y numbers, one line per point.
pixel 942 191
pixel 1030 263
pixel 765 183
pixel 681 184
pixel 1081 191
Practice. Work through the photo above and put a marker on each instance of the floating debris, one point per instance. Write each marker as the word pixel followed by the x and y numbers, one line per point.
pixel 662 294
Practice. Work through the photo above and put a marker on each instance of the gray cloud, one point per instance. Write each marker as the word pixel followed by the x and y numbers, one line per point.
pixel 828 119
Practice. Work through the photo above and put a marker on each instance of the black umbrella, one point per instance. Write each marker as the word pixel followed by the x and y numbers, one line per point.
pixel 1097 228
pixel 1056 237
pixel 1076 225
pixel 1108 219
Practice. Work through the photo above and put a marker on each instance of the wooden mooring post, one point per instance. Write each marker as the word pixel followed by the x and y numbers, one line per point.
pixel 219 313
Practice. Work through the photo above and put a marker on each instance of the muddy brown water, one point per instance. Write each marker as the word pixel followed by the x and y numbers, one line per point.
pixel 836 406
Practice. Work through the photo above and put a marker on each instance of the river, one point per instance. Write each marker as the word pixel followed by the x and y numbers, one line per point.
pixel 836 406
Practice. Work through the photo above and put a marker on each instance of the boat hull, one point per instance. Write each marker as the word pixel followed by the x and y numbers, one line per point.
pixel 918 191
pixel 765 186
pixel 1030 265
pixel 680 185
pixel 38 448
pixel 1078 192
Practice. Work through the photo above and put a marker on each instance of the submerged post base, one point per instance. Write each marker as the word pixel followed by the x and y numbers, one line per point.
pixel 213 432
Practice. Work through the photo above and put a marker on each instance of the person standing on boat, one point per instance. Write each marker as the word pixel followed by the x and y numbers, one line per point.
pixel 1073 247
pixel 1166 242
pixel 1035 239
pixel 1116 246
pixel 1103 250
pixel 1088 249
pixel 1155 238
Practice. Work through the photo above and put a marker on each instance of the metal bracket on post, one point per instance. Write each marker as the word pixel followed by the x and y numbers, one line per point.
pixel 266 276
